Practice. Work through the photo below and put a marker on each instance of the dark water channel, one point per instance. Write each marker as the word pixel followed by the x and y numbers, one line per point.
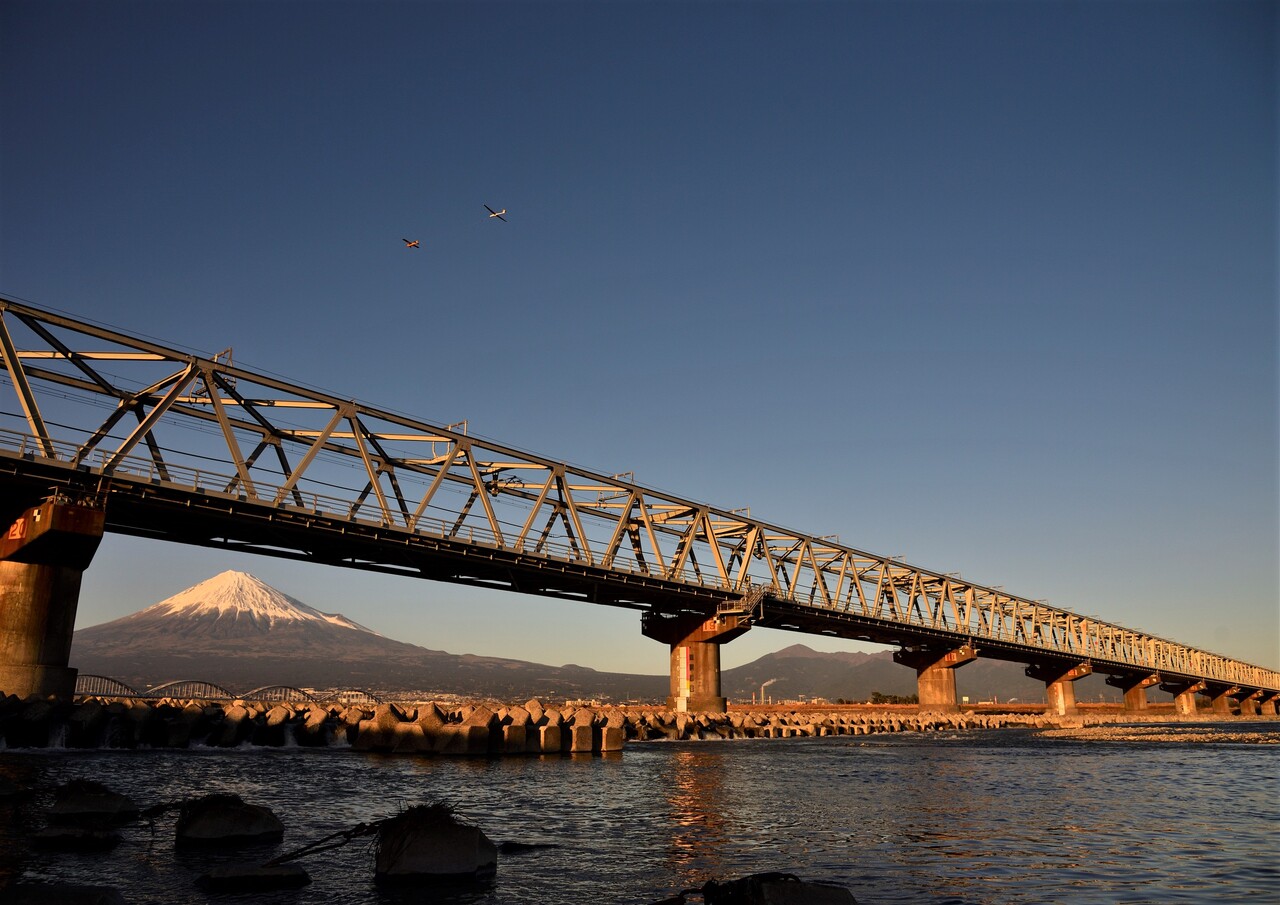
pixel 997 816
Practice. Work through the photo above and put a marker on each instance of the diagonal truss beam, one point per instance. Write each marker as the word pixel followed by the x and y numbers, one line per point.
pixel 26 398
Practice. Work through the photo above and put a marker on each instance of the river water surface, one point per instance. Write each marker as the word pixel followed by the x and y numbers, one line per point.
pixel 1002 816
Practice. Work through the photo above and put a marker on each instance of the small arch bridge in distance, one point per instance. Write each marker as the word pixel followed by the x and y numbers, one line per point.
pixel 104 686
pixel 189 688
pixel 279 694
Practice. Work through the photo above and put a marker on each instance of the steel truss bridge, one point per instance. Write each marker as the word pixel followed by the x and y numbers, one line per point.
pixel 189 448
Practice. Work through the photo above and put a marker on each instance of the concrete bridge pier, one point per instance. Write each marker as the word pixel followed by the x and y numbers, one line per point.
pixel 1220 697
pixel 936 673
pixel 695 643
pixel 1184 696
pixel 1248 702
pixel 1267 704
pixel 1059 684
pixel 43 555
pixel 1134 688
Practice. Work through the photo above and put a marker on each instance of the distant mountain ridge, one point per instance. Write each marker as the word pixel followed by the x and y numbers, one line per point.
pixel 799 673
pixel 235 630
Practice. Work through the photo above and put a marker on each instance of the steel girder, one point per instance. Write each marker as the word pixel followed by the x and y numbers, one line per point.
pixel 125 412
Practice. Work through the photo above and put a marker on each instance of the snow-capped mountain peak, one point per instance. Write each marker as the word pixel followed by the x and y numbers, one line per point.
pixel 240 597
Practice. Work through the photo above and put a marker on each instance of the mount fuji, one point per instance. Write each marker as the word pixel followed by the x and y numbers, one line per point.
pixel 239 632
pixel 234 605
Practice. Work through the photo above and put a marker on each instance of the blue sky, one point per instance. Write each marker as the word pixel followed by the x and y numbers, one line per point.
pixel 991 286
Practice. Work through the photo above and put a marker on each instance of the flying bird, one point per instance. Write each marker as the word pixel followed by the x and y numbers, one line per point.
pixel 498 214
pixel 408 244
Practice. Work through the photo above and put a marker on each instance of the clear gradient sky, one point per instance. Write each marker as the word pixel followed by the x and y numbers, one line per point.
pixel 991 286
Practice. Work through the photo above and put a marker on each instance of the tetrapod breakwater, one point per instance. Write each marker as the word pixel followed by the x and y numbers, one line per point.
pixel 433 728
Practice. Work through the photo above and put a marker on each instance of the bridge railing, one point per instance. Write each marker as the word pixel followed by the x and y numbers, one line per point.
pixel 208 481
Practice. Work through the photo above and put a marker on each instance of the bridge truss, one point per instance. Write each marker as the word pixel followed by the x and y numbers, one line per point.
pixel 190 448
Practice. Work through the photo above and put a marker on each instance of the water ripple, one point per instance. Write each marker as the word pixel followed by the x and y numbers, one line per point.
pixel 1000 818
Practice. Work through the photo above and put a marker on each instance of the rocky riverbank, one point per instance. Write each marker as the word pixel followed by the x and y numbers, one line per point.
pixel 476 729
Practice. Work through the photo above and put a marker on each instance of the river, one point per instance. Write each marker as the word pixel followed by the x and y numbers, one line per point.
pixel 1002 816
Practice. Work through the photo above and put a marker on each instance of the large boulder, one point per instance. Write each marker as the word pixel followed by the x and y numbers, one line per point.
pixel 83 802
pixel 427 843
pixel 225 820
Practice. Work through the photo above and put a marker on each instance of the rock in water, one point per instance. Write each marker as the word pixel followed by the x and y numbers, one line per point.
pixel 225 820
pixel 83 802
pixel 427 843
pixel 774 889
